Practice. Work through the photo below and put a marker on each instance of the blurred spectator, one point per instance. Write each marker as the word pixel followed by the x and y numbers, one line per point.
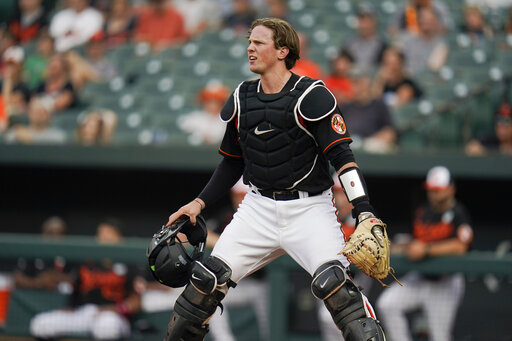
pixel 95 56
pixel 28 21
pixel 508 22
pixel 120 23
pixel 500 140
pixel 440 228
pixel 424 49
pixel 39 130
pixel 475 26
pixel 199 15
pixel 35 64
pixel 103 299
pixel 242 16
pixel 15 93
pixel 407 18
pixel 305 66
pixel 97 128
pixel 367 47
pixel 205 126
pixel 7 40
pixel 368 119
pixel 57 89
pixel 278 9
pixel 41 274
pixel 392 83
pixel 75 25
pixel 81 71
pixel 160 25
pixel 339 81
pixel 54 227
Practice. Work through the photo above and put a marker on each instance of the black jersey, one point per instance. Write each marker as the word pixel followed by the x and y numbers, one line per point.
pixel 313 110
pixel 102 282
pixel 431 226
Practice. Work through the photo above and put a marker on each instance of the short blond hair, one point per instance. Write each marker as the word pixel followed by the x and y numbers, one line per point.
pixel 284 35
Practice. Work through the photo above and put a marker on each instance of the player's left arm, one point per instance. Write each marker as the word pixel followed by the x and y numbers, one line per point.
pixel 323 118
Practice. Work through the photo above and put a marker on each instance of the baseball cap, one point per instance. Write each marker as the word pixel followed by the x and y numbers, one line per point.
pixel 14 54
pixel 214 92
pixel 504 114
pixel 438 178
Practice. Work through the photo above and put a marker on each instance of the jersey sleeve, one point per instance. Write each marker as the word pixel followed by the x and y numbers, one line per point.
pixel 230 146
pixel 330 132
pixel 322 117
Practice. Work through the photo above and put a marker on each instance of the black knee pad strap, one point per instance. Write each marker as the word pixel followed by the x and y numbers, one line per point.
pixel 366 329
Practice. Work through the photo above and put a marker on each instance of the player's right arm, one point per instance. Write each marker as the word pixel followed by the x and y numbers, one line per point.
pixel 227 173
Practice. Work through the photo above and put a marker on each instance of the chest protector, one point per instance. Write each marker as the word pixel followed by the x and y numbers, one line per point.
pixel 278 151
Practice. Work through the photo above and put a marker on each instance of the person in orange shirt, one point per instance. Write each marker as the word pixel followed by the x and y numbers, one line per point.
pixel 305 66
pixel 160 25
pixel 339 80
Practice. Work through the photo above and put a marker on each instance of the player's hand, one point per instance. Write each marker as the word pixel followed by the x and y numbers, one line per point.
pixel 416 250
pixel 192 210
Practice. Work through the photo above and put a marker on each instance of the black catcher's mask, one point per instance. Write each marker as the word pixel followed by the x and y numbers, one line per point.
pixel 169 261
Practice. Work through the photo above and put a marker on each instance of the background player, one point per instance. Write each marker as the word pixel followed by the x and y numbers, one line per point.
pixel 103 300
pixel 281 132
pixel 441 228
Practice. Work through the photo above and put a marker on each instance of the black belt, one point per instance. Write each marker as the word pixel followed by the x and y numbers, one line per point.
pixel 284 195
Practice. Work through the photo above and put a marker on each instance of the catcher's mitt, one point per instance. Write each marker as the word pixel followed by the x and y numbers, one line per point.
pixel 368 248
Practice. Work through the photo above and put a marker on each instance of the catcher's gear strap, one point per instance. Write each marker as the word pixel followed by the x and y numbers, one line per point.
pixel 197 307
pixel 180 328
pixel 343 299
pixel 364 329
pixel 206 277
pixel 352 181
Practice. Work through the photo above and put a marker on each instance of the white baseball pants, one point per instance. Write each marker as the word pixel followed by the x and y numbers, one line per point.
pixel 263 229
pixel 88 319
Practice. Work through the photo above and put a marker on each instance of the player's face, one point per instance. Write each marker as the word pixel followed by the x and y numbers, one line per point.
pixel 440 198
pixel 261 52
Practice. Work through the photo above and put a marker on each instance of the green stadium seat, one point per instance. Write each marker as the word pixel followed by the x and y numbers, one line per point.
pixel 406 117
pixel 66 121
pixel 446 131
pixel 92 90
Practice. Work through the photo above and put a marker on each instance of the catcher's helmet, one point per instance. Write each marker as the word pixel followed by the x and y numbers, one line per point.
pixel 169 261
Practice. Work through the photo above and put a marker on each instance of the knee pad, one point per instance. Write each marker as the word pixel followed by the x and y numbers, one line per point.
pixel 347 305
pixel 210 275
pixel 208 285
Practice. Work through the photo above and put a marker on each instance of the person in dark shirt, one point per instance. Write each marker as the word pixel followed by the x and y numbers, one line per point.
pixel 440 228
pixel 500 140
pixel 57 88
pixel 369 118
pixel 392 82
pixel 103 299
pixel 30 18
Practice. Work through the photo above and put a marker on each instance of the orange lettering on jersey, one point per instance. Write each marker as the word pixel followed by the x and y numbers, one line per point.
pixel 112 286
pixel 431 232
